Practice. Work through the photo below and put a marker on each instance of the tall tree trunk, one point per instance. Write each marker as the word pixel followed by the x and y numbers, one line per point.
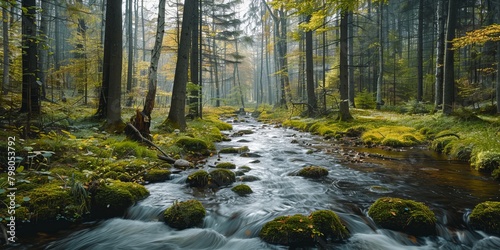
pixel 130 61
pixel 440 23
pixel 420 56
pixel 449 71
pixel 286 95
pixel 344 114
pixel 6 52
pixel 31 89
pixel 380 78
pixel 142 120
pixel 43 55
pixel 350 58
pixel 194 95
pixel 176 116
pixel 498 61
pixel 312 103
pixel 112 64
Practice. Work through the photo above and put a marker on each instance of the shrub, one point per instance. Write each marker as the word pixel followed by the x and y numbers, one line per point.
pixel 403 215
pixel 185 214
pixel 486 216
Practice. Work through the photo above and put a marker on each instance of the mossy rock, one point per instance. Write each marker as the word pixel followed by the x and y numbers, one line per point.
pixel 185 214
pixel 329 224
pixel 113 199
pixel 486 161
pixel 294 231
pixel 226 165
pixel 198 179
pixel 403 215
pixel 244 169
pixel 245 132
pixel 314 172
pixel 242 189
pixel 125 177
pixel 486 217
pixel 157 175
pixel 192 144
pixel 222 177
pixel 48 201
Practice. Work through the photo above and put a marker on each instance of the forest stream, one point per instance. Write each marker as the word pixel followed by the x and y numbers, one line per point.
pixel 451 189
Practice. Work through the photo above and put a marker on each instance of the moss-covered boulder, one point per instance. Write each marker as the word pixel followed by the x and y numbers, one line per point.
pixel 48 203
pixel 193 145
pixel 313 172
pixel 185 214
pixel 198 179
pixel 328 223
pixel 226 165
pixel 113 199
pixel 486 217
pixel 242 189
pixel 221 177
pixel 233 150
pixel 403 215
pixel 157 175
pixel 300 230
pixel 295 231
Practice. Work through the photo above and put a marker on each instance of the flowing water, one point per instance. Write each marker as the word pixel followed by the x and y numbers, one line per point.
pixel 449 188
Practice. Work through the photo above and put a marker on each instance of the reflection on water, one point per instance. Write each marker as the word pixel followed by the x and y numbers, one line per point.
pixel 450 188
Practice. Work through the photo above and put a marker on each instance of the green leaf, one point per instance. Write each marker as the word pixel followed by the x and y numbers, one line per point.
pixel 20 169
pixel 26 198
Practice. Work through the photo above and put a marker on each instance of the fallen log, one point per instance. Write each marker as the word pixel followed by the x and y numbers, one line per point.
pixel 141 138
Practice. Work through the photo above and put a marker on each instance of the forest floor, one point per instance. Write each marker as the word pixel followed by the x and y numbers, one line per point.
pixel 68 161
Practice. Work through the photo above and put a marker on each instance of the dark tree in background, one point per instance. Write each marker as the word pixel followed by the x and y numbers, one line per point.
pixel 31 89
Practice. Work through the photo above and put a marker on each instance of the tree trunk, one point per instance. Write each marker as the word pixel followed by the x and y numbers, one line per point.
pixel 130 61
pixel 194 95
pixel 498 61
pixel 312 104
pixel 350 59
pixel 449 72
pixel 6 52
pixel 438 98
pixel 420 56
pixel 176 116
pixel 112 64
pixel 31 89
pixel 142 120
pixel 344 114
pixel 380 78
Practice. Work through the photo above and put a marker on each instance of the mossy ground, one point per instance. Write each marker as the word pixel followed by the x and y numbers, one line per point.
pixel 79 169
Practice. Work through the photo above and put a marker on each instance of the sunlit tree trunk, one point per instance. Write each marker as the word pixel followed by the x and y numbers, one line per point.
pixel 344 113
pixel 176 116
pixel 380 78
pixel 312 104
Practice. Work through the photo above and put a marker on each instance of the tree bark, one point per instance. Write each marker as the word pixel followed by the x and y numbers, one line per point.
pixel 350 58
pixel 31 89
pixel 112 64
pixel 449 72
pixel 194 95
pixel 6 52
pixel 176 116
pixel 380 78
pixel 142 120
pixel 312 104
pixel 344 114
pixel 130 61
pixel 438 98
pixel 420 54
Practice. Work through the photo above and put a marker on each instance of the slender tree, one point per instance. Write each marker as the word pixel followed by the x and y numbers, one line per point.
pixel 130 61
pixel 449 71
pixel 440 23
pixel 344 113
pixel 420 52
pixel 176 116
pixel 5 43
pixel 31 89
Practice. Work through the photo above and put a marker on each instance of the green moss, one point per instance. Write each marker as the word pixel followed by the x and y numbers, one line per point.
pixel 113 199
pixel 48 202
pixel 403 215
pixel 125 177
pixel 198 179
pixel 110 175
pixel 245 169
pixel 126 148
pixel 226 165
pixel 329 224
pixel 486 161
pixel 313 172
pixel 295 231
pixel 157 175
pixel 355 131
pixel 185 214
pixel 242 189
pixel 395 136
pixel 486 216
pixel 222 177
pixel 192 144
